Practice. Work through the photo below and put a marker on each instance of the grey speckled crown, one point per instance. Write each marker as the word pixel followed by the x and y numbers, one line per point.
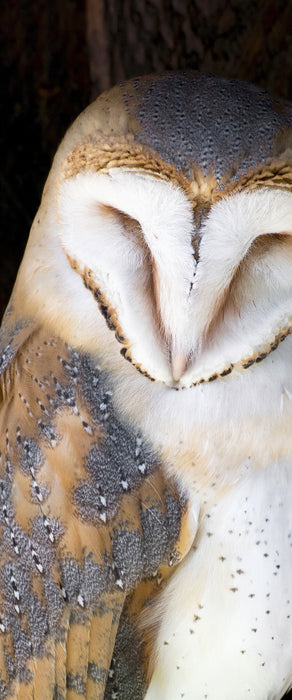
pixel 208 121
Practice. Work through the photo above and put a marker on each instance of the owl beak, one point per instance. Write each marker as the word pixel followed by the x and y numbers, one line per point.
pixel 178 365
pixel 178 359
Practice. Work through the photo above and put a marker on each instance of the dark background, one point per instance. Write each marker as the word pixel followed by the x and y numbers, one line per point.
pixel 57 56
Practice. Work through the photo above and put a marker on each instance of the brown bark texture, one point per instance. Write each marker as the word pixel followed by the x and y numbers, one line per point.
pixel 245 39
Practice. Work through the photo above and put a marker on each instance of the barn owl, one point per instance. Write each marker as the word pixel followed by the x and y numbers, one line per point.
pixel 146 405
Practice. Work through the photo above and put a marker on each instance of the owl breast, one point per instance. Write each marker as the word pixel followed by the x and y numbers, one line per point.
pixel 222 619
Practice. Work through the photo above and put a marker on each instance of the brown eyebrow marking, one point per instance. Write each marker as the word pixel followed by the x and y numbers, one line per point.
pixel 276 173
pixel 121 152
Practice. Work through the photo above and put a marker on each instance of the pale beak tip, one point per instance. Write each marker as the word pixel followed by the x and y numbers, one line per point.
pixel 178 365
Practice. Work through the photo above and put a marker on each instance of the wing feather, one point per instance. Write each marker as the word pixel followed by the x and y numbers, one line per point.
pixel 87 517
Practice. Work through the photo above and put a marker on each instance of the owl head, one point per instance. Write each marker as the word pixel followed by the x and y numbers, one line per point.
pixel 164 232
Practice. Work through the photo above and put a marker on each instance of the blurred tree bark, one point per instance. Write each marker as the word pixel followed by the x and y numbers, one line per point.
pixel 45 83
pixel 56 56
pixel 244 39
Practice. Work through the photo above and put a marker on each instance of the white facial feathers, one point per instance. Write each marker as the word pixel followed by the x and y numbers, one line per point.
pixel 232 225
pixel 242 293
pixel 143 265
pixel 133 232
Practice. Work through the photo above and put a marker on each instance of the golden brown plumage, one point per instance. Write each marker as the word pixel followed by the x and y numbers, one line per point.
pixel 67 570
